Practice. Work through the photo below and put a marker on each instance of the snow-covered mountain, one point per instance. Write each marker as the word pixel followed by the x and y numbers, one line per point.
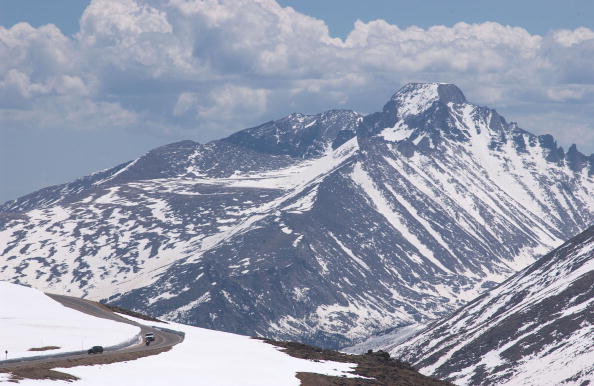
pixel 320 228
pixel 537 328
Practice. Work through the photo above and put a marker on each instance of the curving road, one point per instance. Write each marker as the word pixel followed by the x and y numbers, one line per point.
pixel 163 338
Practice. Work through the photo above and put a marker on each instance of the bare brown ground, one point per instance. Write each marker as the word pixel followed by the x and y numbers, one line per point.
pixel 44 370
pixel 378 365
pixel 36 373
pixel 44 348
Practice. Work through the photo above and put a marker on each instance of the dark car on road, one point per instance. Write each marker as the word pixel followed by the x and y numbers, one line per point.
pixel 96 350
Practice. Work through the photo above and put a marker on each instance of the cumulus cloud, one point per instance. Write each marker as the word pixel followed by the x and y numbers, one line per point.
pixel 568 38
pixel 207 67
pixel 220 103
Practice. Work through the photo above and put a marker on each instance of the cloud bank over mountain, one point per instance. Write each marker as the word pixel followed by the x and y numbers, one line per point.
pixel 207 68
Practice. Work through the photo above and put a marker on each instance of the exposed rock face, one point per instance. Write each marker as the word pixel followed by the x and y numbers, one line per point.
pixel 322 228
pixel 536 328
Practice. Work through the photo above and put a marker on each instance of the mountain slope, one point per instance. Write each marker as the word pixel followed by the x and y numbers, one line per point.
pixel 536 328
pixel 180 354
pixel 321 228
pixel 204 357
pixel 30 319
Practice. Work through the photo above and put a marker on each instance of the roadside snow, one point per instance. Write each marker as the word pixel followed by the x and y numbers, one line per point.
pixel 205 357
pixel 29 319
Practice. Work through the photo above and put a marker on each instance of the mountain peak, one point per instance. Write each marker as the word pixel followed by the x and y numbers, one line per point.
pixel 414 98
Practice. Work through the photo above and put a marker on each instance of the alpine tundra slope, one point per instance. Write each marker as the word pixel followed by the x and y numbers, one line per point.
pixel 180 355
pixel 537 328
pixel 318 228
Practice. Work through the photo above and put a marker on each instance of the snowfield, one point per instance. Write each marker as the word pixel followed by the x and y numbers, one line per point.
pixel 205 357
pixel 208 357
pixel 31 319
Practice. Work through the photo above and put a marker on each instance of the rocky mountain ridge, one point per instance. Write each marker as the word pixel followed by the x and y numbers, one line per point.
pixel 319 228
pixel 536 328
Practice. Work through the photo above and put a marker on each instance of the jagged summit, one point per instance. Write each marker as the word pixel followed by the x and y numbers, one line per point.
pixel 450 93
pixel 444 92
pixel 424 106
pixel 415 98
pixel 420 116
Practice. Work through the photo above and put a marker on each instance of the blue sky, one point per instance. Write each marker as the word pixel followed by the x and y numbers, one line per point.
pixel 108 80
pixel 538 17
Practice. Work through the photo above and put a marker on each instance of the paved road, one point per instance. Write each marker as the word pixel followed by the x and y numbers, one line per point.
pixel 163 338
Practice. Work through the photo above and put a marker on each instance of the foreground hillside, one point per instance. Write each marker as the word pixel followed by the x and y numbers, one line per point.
pixel 537 328
pixel 319 228
pixel 32 324
pixel 203 357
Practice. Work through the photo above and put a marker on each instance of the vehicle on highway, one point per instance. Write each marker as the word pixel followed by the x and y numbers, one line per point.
pixel 96 350
pixel 148 338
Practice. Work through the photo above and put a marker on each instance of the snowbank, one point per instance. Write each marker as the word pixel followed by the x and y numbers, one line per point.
pixel 205 357
pixel 30 319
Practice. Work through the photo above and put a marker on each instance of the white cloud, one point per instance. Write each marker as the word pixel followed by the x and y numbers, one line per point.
pixel 568 38
pixel 71 112
pixel 234 100
pixel 222 102
pixel 213 65
pixel 568 92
